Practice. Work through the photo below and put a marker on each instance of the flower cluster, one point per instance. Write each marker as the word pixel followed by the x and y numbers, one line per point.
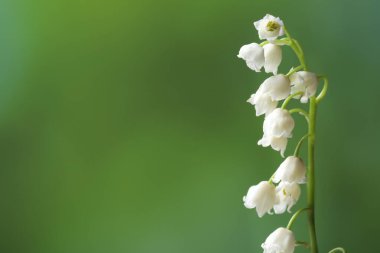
pixel 265 196
pixel 278 124
pixel 282 191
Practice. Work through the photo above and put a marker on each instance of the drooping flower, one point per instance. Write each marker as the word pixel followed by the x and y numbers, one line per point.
pixel 282 240
pixel 306 82
pixel 291 170
pixel 261 196
pixel 273 89
pixel 273 57
pixel 263 103
pixel 253 54
pixel 269 27
pixel 277 128
pixel 287 196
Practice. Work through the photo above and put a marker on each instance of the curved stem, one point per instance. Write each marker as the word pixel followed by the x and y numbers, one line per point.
pixel 283 41
pixel 300 111
pixel 299 144
pixel 288 99
pixel 294 217
pixel 293 70
pixel 323 92
pixel 310 184
pixel 296 48
pixel 299 47
pixel 338 248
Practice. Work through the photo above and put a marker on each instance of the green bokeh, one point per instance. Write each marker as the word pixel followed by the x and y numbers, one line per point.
pixel 124 126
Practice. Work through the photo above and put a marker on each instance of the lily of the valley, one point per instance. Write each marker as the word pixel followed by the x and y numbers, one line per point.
pixel 273 89
pixel 277 128
pixel 282 240
pixel 261 196
pixel 253 54
pixel 269 27
pixel 306 82
pixel 287 196
pixel 256 57
pixel 291 170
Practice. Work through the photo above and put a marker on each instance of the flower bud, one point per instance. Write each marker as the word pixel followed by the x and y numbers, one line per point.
pixel 261 196
pixel 253 54
pixel 269 27
pixel 291 170
pixel 306 82
pixel 282 240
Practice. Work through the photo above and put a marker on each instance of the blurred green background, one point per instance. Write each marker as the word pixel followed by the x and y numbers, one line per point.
pixel 124 126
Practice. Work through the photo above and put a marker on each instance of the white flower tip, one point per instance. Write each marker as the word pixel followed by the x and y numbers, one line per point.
pixel 304 99
pixel 251 99
pixel 260 214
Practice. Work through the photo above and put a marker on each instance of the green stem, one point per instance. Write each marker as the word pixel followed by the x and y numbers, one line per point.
pixel 323 92
pixel 310 184
pixel 288 99
pixel 311 141
pixel 293 70
pixel 296 48
pixel 299 144
pixel 294 217
pixel 337 249
pixel 283 41
pixel 300 111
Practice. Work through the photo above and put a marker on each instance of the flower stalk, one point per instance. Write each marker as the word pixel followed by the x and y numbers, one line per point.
pixel 311 149
pixel 299 84
pixel 311 176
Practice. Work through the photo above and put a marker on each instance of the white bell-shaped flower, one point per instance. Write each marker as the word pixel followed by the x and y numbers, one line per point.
pixel 253 54
pixel 287 196
pixel 282 240
pixel 279 123
pixel 277 86
pixel 277 143
pixel 263 103
pixel 278 126
pixel 273 89
pixel 291 170
pixel 269 27
pixel 306 82
pixel 261 196
pixel 273 57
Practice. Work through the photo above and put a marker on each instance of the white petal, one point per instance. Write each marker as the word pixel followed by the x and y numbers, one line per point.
pixel 279 123
pixel 264 105
pixel 261 196
pixel 273 57
pixel 291 170
pixel 287 196
pixel 253 54
pixel 306 82
pixel 269 27
pixel 277 86
pixel 277 143
pixel 281 240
